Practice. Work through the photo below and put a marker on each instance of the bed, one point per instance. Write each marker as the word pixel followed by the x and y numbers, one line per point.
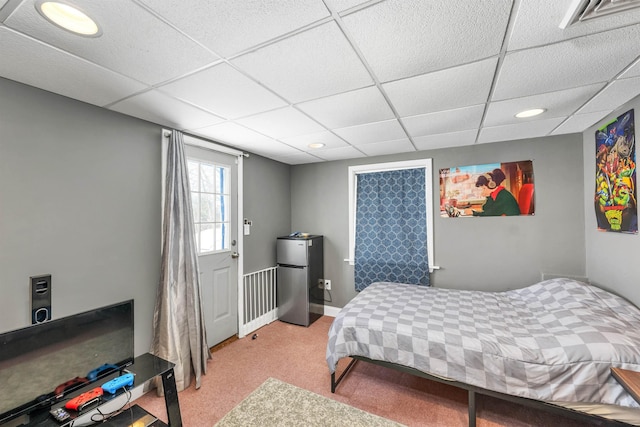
pixel 551 343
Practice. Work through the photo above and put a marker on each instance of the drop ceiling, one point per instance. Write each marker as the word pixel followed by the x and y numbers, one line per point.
pixel 364 78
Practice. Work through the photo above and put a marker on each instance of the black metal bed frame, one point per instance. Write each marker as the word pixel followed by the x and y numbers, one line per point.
pixel 473 390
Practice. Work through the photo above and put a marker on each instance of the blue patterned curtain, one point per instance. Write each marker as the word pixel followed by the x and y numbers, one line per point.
pixel 391 228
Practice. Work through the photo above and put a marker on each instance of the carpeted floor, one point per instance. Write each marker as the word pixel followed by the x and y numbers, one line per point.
pixel 296 355
pixel 276 403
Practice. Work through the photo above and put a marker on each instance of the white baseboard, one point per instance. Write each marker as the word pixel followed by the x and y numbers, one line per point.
pixel 331 311
pixel 326 310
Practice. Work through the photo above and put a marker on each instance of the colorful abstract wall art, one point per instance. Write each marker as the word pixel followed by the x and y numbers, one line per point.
pixel 616 195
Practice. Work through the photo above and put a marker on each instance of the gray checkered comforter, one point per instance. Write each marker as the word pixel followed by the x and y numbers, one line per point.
pixel 552 341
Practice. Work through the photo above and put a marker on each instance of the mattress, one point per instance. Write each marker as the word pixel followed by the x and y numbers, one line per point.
pixel 554 341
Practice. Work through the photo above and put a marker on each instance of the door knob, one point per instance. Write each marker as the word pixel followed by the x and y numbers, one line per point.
pixel 235 254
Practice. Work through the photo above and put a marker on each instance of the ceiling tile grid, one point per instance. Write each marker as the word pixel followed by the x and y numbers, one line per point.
pixel 537 23
pixel 329 139
pixel 229 27
pixel 632 71
pixel 362 77
pixel 577 62
pixel 445 140
pixel 455 87
pixel 561 103
pixel 579 122
pixel 531 129
pixel 224 91
pixel 466 118
pixel 134 42
pixel 282 123
pixel 387 147
pixel 29 61
pixel 615 94
pixel 350 108
pixel 342 153
pixel 372 132
pixel 406 38
pixel 156 107
pixel 315 63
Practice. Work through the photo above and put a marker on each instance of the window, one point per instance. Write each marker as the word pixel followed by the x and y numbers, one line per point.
pixel 211 204
pixel 355 171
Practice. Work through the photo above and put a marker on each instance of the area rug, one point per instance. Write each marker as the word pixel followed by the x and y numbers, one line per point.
pixel 276 403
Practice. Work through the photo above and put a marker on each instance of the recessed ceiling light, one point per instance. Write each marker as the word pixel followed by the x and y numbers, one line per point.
pixel 530 113
pixel 316 145
pixel 69 18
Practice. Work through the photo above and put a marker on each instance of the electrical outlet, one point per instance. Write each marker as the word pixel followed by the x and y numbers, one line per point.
pixel 320 283
pixel 327 284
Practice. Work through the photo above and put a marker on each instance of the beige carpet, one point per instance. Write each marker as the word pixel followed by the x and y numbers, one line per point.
pixel 276 403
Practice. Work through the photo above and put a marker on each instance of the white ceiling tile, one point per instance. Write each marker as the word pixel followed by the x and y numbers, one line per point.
pixel 442 90
pixel 274 148
pixel 224 91
pixel 314 63
pixel 235 134
pixel 518 131
pixel 579 122
pixel 444 121
pixel 338 153
pixel 281 123
pixel 246 140
pixel 30 62
pixel 157 107
pixel 387 147
pixel 614 95
pixel 133 41
pixel 231 26
pixel 342 5
pixel 349 109
pixel 557 104
pixel 364 77
pixel 445 140
pixel 537 23
pixel 405 38
pixel 372 132
pixel 325 137
pixel 299 159
pixel 632 71
pixel 577 62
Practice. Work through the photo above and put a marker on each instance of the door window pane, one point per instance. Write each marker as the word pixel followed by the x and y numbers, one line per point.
pixel 195 206
pixel 194 175
pixel 207 207
pixel 224 184
pixel 207 238
pixel 211 203
pixel 207 179
pixel 222 207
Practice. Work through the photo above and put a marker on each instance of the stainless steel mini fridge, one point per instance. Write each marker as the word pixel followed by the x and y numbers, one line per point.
pixel 300 268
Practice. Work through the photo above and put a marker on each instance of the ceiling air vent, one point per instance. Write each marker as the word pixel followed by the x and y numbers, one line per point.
pixel 583 10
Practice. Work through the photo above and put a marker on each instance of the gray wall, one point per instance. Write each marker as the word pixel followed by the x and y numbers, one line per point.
pixel 612 258
pixel 80 200
pixel 492 253
pixel 267 203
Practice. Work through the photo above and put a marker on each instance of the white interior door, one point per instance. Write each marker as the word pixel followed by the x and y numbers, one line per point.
pixel 213 177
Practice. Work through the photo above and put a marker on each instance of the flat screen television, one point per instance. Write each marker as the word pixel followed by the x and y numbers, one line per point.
pixel 37 361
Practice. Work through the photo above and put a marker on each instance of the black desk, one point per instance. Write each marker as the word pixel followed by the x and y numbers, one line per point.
pixel 145 367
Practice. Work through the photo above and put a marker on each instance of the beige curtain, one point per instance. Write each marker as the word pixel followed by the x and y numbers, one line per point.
pixel 179 334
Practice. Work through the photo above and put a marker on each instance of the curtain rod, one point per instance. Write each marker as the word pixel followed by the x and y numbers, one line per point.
pixel 167 133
